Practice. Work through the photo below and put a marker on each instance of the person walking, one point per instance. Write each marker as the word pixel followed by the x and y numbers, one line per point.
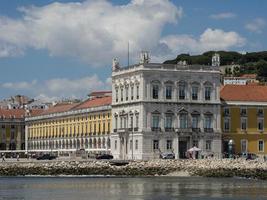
pixel 18 157
pixel 3 157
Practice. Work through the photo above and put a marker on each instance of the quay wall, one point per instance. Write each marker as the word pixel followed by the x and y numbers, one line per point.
pixel 204 167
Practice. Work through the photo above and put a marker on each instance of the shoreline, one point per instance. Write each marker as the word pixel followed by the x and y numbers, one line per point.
pixel 172 168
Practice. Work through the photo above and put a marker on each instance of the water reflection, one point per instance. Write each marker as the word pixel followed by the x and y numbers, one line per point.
pixel 131 188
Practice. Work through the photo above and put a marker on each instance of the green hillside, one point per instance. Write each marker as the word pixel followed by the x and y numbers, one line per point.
pixel 253 62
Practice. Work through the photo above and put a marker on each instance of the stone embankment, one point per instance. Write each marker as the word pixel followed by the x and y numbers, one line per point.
pixel 205 167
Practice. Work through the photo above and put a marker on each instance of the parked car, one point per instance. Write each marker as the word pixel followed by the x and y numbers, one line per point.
pixel 167 155
pixel 46 157
pixel 104 156
pixel 248 156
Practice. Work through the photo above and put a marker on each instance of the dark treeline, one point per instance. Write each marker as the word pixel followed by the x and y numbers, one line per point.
pixel 253 62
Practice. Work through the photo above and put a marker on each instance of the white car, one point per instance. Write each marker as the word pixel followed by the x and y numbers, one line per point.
pixel 167 155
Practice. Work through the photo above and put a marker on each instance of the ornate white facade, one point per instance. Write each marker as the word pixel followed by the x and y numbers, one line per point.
pixel 165 108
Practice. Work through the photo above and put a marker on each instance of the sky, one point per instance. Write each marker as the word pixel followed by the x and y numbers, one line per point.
pixel 51 50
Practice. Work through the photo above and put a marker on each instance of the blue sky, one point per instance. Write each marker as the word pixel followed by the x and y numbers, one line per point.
pixel 51 50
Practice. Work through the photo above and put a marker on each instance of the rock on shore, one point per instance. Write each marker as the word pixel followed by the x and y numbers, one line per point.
pixel 205 167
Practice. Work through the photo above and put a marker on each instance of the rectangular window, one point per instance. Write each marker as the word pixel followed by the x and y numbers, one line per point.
pixel 116 122
pixel 3 126
pixel 12 126
pixel 121 94
pixel 208 144
pixel 136 144
pixel 243 123
pixel 183 121
pixel 131 144
pixel 127 93
pixel 261 146
pixel 226 112
pixel 260 124
pixel 115 145
pixel 155 92
pixel 117 97
pixel 155 144
pixel 132 92
pixel 226 124
pixel 181 92
pixel 121 120
pixel 12 135
pixel 137 92
pixel 243 146
pixel 194 93
pixel 136 121
pixel 194 121
pixel 168 122
pixel 207 93
pixel 169 144
pixel 243 111
pixel 168 92
pixel 260 112
pixel 208 122
pixel 155 121
pixel 131 122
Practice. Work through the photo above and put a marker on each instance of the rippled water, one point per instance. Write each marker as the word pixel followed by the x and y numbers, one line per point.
pixel 155 188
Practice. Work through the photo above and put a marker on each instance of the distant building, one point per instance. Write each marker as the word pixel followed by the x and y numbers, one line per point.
pixel 12 129
pixel 165 108
pixel 215 60
pixel 67 128
pixel 244 79
pixel 244 118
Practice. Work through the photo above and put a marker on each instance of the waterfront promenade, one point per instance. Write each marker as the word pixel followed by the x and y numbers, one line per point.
pixel 204 167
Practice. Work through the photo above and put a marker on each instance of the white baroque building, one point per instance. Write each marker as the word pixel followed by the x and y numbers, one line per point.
pixel 160 108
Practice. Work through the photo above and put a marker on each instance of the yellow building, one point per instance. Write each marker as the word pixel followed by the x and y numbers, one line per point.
pixel 244 118
pixel 12 134
pixel 67 128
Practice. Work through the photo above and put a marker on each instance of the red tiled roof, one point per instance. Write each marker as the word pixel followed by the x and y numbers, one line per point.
pixel 59 108
pixel 253 76
pixel 244 93
pixel 99 92
pixel 102 101
pixel 35 112
pixel 12 113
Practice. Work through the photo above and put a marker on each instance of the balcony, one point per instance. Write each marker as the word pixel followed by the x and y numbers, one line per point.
pixel 155 128
pixel 169 129
pixel 183 130
pixel 208 130
pixel 196 130
pixel 122 130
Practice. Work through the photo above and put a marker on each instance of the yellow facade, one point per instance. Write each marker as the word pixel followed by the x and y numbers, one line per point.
pixel 12 130
pixel 83 129
pixel 252 137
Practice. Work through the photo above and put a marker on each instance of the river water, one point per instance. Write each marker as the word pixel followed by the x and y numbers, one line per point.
pixel 115 188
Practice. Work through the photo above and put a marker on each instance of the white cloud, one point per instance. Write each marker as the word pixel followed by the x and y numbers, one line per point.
pixel 226 15
pixel 59 88
pixel 93 31
pixel 210 39
pixel 19 85
pixel 256 25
